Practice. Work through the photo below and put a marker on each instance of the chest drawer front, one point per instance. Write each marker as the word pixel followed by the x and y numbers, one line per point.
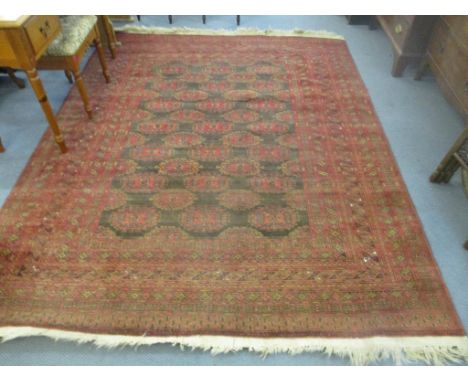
pixel 451 60
pixel 458 26
pixel 41 30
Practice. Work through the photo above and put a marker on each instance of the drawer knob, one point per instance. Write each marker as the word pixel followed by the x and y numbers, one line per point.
pixel 398 28
pixel 43 31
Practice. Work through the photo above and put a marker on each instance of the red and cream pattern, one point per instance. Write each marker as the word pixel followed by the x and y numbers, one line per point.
pixel 227 186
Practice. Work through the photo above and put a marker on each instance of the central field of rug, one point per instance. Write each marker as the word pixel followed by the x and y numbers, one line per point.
pixel 236 186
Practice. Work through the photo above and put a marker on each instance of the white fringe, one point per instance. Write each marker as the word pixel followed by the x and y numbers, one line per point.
pixel 224 32
pixel 360 351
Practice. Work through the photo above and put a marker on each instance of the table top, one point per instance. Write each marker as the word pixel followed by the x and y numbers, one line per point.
pixel 12 20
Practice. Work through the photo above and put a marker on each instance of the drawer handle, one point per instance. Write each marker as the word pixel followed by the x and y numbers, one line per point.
pixel 43 31
pixel 398 29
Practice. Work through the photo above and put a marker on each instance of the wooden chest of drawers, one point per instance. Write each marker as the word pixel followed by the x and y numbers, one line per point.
pixel 447 56
pixel 409 36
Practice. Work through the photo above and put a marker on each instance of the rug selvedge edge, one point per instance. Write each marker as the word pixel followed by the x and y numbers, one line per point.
pixel 432 350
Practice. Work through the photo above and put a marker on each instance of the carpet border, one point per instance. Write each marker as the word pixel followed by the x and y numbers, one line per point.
pixel 432 350
pixel 141 29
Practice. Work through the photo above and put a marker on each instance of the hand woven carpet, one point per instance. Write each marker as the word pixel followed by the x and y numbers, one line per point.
pixel 231 192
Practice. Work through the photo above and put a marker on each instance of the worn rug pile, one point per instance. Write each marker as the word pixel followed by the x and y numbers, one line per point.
pixel 231 192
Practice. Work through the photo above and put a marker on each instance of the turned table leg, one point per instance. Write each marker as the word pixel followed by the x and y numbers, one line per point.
pixel 41 96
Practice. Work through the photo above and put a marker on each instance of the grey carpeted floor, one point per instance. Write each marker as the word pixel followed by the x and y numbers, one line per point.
pixel 419 123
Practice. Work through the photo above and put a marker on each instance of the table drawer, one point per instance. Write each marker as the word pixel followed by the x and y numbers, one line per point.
pixel 397 27
pixel 41 30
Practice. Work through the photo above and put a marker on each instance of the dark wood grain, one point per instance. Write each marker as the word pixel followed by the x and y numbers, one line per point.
pixel 409 36
pixel 447 58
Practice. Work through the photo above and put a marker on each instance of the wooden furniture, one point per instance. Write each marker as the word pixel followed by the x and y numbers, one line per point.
pixel 19 82
pixel 121 17
pixel 68 49
pixel 107 33
pixel 409 36
pixel 11 73
pixel 368 20
pixel 23 40
pixel 447 57
pixel 456 158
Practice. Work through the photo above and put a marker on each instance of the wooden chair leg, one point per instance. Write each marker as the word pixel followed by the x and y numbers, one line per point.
pixel 2 149
pixel 75 69
pixel 18 81
pixel 110 34
pixel 449 164
pixel 101 56
pixel 69 76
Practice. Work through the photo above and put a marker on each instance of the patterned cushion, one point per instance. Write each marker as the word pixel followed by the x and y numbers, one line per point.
pixel 74 31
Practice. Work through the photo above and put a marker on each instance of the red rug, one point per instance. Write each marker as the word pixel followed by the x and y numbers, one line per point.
pixel 227 186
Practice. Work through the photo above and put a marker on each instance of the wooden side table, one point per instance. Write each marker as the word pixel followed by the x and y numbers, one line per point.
pixel 409 36
pixel 23 40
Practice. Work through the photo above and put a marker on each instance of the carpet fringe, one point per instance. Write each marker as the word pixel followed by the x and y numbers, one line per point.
pixel 360 351
pixel 223 32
